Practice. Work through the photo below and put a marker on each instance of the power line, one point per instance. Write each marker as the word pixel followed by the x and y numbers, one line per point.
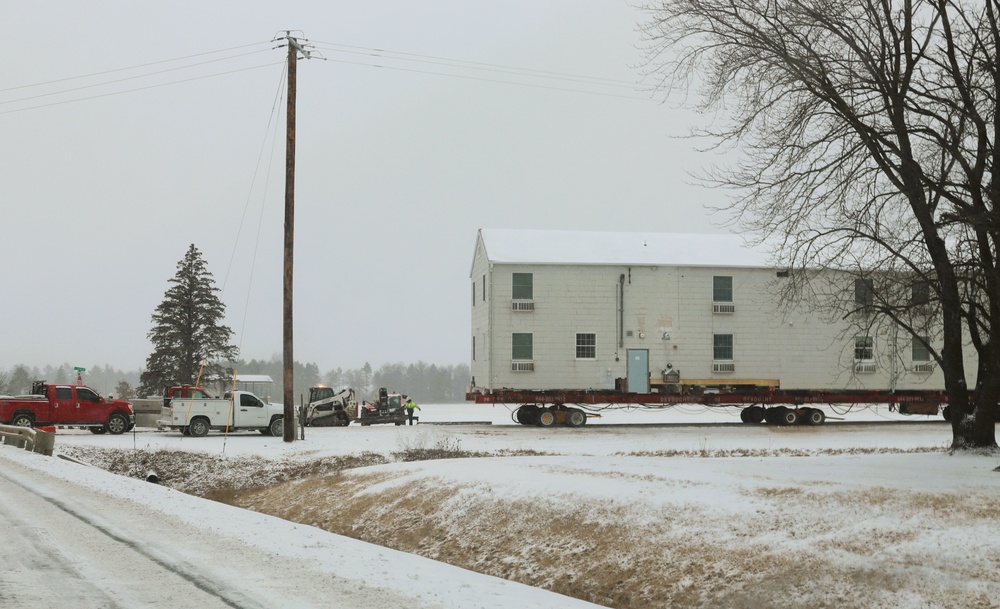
pixel 479 78
pixel 111 82
pixel 164 84
pixel 492 67
pixel 136 67
pixel 433 60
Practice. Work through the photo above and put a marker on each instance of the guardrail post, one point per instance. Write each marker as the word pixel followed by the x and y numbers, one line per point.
pixel 45 442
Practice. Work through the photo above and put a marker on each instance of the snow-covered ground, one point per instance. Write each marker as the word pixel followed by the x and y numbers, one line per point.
pixel 681 515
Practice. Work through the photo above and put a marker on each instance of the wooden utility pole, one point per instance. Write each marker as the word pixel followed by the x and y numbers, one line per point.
pixel 288 358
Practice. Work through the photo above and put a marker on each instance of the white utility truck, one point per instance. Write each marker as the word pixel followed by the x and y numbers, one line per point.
pixel 194 412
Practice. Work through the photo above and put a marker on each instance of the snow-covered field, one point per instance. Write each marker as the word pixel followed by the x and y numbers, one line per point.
pixel 669 516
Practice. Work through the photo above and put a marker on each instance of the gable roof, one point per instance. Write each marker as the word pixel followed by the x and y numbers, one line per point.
pixel 598 248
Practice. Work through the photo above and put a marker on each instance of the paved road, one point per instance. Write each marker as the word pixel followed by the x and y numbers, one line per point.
pixel 56 552
pixel 64 545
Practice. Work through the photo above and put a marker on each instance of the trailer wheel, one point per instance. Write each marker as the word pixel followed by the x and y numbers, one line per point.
pixel 527 414
pixel 117 424
pixel 789 417
pixel 576 417
pixel 277 427
pixel 266 431
pixel 773 415
pixel 198 427
pixel 815 416
pixel 546 417
pixel 945 412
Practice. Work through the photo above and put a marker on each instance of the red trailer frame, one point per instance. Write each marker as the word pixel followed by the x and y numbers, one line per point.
pixel 763 404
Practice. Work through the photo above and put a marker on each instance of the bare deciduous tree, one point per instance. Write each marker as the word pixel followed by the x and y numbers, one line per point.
pixel 866 133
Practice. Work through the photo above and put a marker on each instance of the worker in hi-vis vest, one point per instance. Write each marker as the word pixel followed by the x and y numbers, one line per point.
pixel 410 406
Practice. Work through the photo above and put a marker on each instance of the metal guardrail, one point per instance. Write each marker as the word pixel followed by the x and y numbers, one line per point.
pixel 28 438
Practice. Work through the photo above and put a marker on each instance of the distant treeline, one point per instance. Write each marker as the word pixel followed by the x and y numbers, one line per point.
pixel 425 382
pixel 428 383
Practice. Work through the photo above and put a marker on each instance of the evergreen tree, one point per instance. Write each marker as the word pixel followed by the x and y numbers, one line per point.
pixel 124 391
pixel 20 380
pixel 187 330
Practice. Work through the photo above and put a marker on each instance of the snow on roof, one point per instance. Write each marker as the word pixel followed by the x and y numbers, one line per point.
pixel 254 378
pixel 596 247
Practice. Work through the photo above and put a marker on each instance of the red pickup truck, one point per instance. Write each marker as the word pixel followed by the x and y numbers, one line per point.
pixel 67 405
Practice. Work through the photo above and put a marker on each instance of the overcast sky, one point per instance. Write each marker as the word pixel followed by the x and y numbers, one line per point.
pixel 514 114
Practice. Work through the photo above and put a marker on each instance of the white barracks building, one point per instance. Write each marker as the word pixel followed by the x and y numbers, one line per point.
pixel 580 310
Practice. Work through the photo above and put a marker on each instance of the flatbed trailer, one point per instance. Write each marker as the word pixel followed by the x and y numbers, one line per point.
pixel 761 403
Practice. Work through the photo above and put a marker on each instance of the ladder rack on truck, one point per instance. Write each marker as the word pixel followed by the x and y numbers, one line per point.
pixel 762 404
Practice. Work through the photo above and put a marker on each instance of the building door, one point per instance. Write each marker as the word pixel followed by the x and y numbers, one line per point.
pixel 638 370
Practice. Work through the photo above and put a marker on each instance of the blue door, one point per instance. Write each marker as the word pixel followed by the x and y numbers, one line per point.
pixel 638 370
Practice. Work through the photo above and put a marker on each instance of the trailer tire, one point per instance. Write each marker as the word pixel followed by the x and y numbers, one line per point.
pixel 117 424
pixel 773 415
pixel 546 417
pixel 23 419
pixel 198 427
pixel 815 416
pixel 277 427
pixel 527 414
pixel 576 417
pixel 266 431
pixel 945 412
pixel 789 417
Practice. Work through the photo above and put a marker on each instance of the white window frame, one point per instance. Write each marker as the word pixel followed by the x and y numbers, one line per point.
pixel 732 347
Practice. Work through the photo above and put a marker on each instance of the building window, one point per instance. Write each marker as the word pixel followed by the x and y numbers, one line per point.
pixel 864 349
pixel 722 347
pixel 473 293
pixel 473 348
pixel 521 346
pixel 484 288
pixel 920 352
pixel 920 293
pixel 722 289
pixel 864 292
pixel 586 345
pixel 522 286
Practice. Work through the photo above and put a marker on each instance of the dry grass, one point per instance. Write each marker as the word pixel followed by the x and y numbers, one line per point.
pixel 778 551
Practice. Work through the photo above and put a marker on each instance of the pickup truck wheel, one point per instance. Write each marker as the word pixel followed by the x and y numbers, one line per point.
pixel 117 424
pixel 277 427
pixel 23 420
pixel 97 429
pixel 198 427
